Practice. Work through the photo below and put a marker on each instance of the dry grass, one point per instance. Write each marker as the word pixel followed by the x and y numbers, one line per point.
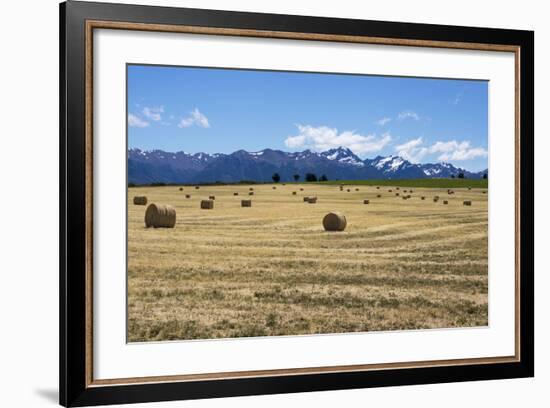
pixel 272 269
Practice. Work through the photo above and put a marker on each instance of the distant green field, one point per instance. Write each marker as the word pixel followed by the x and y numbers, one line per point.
pixel 426 183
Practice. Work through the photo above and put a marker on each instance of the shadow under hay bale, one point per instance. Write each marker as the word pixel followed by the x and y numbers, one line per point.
pixel 306 199
pixel 207 204
pixel 140 200
pixel 334 221
pixel 160 216
pixel 246 203
pixel 312 200
pixel 366 201
pixel 467 202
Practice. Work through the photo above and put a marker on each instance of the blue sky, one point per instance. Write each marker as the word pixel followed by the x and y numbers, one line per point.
pixel 221 110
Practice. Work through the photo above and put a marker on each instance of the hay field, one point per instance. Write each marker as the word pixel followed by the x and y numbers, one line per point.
pixel 272 270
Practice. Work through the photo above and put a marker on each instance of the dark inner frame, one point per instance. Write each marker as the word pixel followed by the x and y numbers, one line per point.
pixel 75 389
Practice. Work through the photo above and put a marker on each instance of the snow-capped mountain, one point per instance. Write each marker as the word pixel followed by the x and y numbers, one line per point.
pixel 148 166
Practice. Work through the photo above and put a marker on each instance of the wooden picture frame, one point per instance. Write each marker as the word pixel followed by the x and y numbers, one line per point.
pixel 78 20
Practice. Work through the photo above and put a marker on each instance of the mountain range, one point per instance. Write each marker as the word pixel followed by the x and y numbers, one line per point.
pixel 157 166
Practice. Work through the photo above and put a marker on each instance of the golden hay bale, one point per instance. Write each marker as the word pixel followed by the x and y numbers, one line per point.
pixel 408 196
pixel 140 200
pixel 334 221
pixel 410 191
pixel 301 189
pixel 356 189
pixel 197 187
pixel 246 203
pixel 378 187
pixel 160 216
pixel 274 188
pixel 436 199
pixel 379 195
pixel 348 190
pixel 449 191
pixel 445 202
pixel 405 197
pixel 397 188
pixel 312 200
pixel 404 191
pixel 365 201
pixel 251 189
pixel 422 198
pixel 389 191
pixel 467 202
pixel 469 188
pixel 211 197
pixel 396 194
pixel 207 204
pixel 294 193
pixel 305 199
pixel 187 196
pixel 235 194
pixel 251 193
pixel 484 192
pixel 181 188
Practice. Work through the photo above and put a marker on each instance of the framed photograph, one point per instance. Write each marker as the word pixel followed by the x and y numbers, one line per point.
pixel 257 204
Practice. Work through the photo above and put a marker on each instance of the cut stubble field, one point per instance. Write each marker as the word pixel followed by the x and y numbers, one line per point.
pixel 271 269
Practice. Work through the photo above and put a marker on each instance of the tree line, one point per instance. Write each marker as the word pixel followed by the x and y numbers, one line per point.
pixel 276 177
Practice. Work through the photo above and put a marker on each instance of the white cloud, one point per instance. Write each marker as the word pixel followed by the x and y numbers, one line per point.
pixel 134 121
pixel 414 151
pixel 408 115
pixel 383 121
pixel 195 118
pixel 153 113
pixel 323 138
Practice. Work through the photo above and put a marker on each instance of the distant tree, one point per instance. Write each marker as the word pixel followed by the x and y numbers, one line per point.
pixel 485 176
pixel 276 178
pixel 311 177
pixel 296 177
pixel 131 184
pixel 323 178
pixel 461 175
pixel 452 176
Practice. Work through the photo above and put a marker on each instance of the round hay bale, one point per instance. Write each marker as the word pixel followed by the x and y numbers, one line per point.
pixel 436 199
pixel 484 192
pixel 469 188
pixel 294 193
pixel 197 187
pixel 445 202
pixel 356 189
pixel 211 197
pixel 251 189
pixel 301 189
pixel 366 201
pixel 405 197
pixel 306 199
pixel 397 188
pixel 378 187
pixel 312 200
pixel 235 194
pixel 404 191
pixel 207 204
pixel 348 190
pixel 187 196
pixel 422 198
pixel 467 202
pixel 334 221
pixel 389 191
pixel 140 200
pixel 251 193
pixel 246 203
pixel 274 188
pixel 181 188
pixel 396 194
pixel 379 195
pixel 160 216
